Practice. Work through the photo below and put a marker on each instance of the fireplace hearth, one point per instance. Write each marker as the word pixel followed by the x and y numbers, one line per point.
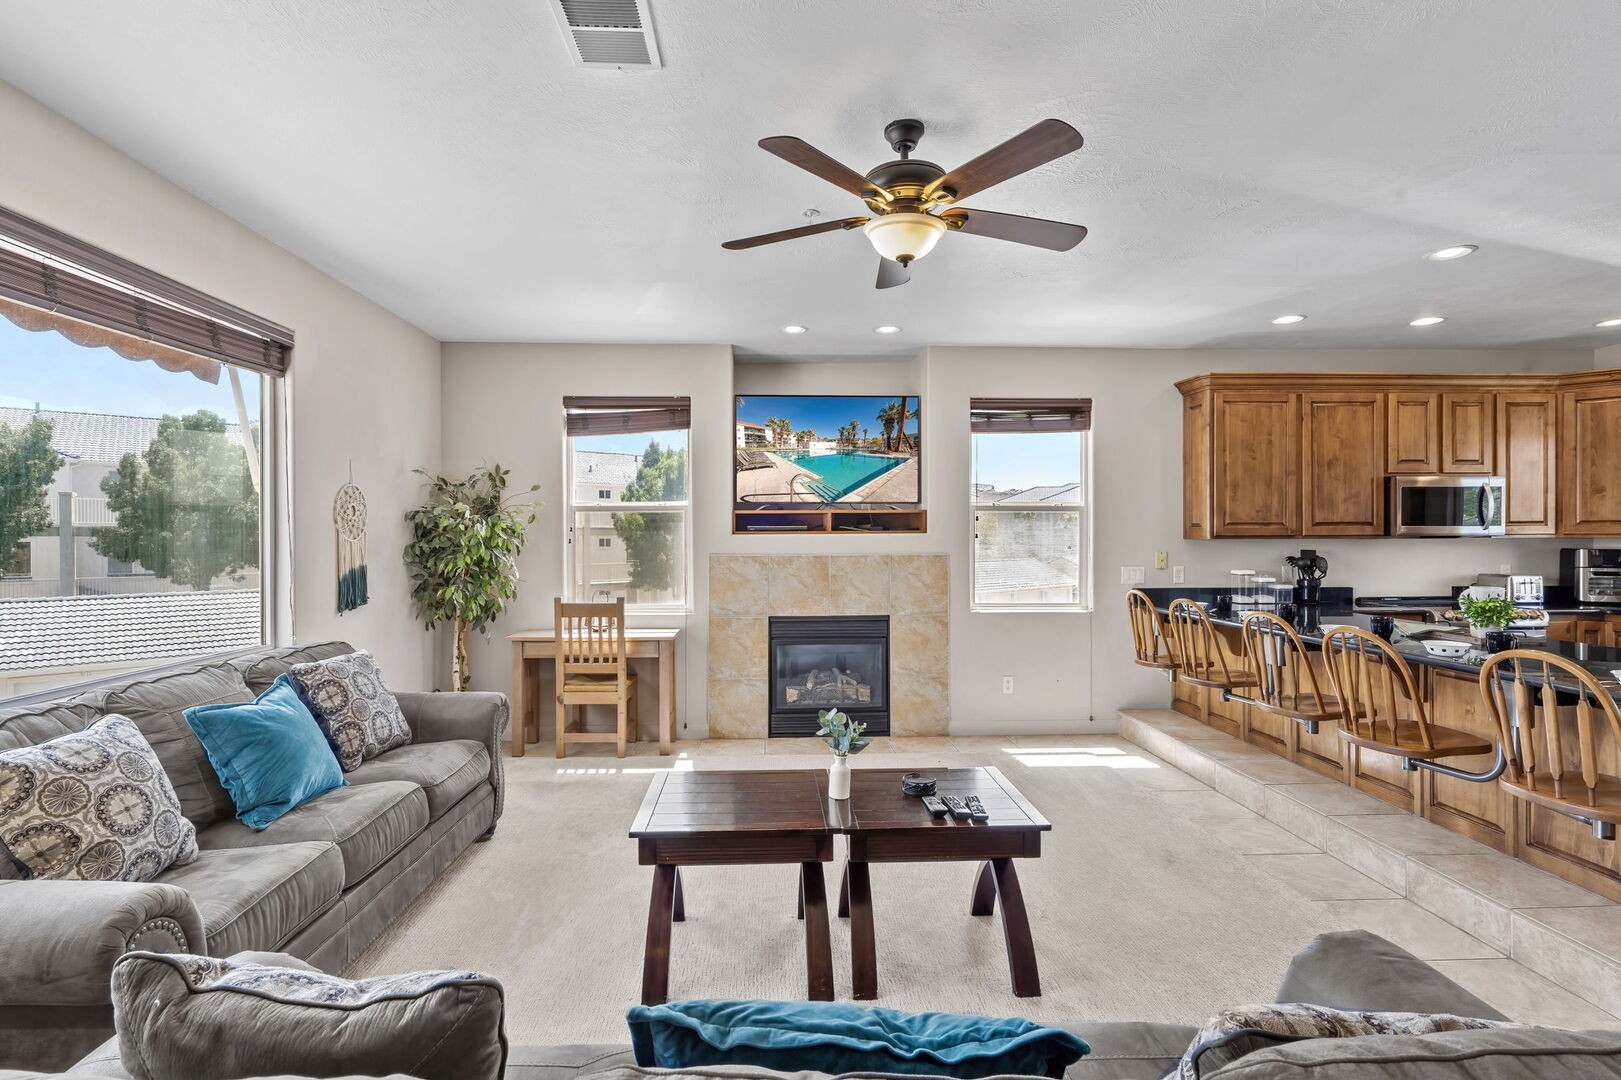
pixel 828 661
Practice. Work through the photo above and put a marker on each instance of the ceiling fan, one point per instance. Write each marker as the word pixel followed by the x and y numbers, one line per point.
pixel 914 201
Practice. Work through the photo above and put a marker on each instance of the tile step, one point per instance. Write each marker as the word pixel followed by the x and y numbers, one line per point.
pixel 1561 931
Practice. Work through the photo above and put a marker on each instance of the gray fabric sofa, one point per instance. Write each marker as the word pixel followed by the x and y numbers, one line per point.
pixel 1346 970
pixel 319 883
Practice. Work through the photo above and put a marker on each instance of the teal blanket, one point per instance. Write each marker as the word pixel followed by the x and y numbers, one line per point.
pixel 835 1037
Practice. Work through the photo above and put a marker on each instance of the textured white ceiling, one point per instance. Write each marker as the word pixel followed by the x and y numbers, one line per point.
pixel 1243 160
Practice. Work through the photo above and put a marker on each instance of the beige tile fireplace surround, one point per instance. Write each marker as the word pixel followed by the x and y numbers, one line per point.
pixel 746 590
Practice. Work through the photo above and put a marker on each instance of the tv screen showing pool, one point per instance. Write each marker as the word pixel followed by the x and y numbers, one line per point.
pixel 822 450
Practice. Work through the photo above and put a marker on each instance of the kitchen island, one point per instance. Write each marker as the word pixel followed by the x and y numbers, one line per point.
pixel 1450 687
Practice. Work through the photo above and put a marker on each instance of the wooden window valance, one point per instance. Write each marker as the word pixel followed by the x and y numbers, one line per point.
pixel 990 416
pixel 626 415
pixel 50 281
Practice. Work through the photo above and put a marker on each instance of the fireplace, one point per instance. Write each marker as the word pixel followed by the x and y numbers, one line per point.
pixel 828 662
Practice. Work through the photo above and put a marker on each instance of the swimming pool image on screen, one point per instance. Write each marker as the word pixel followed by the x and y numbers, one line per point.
pixel 838 448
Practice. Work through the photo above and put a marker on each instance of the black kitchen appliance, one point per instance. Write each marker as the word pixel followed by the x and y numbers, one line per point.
pixel 1310 568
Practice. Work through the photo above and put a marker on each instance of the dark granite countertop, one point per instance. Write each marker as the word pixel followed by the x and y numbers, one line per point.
pixel 1313 622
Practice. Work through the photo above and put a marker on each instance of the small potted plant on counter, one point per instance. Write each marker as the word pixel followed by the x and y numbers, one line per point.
pixel 844 737
pixel 1488 615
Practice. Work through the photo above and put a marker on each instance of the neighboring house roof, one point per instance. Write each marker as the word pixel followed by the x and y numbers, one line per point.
pixel 750 423
pixel 47 632
pixel 88 436
pixel 1057 493
pixel 598 467
pixel 1015 575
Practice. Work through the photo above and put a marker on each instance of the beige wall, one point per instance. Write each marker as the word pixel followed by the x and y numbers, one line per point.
pixel 364 384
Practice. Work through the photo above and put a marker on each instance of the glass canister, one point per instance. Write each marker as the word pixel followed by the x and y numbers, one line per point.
pixel 1242 587
pixel 1265 590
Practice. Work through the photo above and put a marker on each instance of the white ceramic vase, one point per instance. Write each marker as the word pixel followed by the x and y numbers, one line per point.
pixel 838 778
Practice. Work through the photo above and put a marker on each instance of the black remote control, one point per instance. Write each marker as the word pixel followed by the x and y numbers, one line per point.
pixel 958 808
pixel 934 806
pixel 977 809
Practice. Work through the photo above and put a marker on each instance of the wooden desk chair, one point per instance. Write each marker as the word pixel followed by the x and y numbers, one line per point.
pixel 1563 773
pixel 1381 708
pixel 593 668
pixel 1148 633
pixel 1200 658
pixel 1286 682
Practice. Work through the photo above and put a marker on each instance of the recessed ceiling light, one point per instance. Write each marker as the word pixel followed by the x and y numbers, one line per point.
pixel 1607 323
pixel 1428 320
pixel 1285 320
pixel 896 329
pixel 794 329
pixel 1456 251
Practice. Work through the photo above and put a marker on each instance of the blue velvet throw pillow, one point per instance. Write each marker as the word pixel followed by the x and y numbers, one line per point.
pixel 836 1037
pixel 270 754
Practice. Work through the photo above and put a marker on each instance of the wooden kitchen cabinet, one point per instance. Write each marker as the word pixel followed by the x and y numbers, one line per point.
pixel 1254 464
pixel 1527 458
pixel 1467 423
pixel 1342 436
pixel 1413 420
pixel 1589 489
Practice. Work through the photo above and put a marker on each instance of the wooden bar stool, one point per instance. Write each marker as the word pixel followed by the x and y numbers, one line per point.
pixel 1200 658
pixel 1286 682
pixel 1382 710
pixel 1148 633
pixel 593 668
pixel 1563 773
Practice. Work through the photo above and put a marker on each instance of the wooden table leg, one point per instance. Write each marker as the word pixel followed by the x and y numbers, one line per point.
pixel 984 902
pixel 1021 948
pixel 863 940
pixel 656 955
pixel 844 892
pixel 520 704
pixel 666 695
pixel 799 912
pixel 679 907
pixel 818 945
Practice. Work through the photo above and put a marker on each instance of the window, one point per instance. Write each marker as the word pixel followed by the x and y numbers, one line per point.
pixel 1030 496
pixel 132 445
pixel 629 522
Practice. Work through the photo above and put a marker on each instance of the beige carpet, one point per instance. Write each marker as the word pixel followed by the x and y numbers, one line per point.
pixel 1137 913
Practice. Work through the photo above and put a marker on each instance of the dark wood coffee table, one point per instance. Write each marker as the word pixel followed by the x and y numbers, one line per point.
pixel 730 819
pixel 885 826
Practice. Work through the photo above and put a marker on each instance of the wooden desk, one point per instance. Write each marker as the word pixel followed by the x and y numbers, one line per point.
pixel 531 648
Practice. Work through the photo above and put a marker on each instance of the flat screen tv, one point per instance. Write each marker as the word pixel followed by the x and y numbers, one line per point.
pixel 828 450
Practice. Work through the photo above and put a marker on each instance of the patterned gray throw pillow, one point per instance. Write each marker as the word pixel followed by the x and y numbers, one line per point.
pixel 358 714
pixel 181 1015
pixel 92 806
pixel 1237 1032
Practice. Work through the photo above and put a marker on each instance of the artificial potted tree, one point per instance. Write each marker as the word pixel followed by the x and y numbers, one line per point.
pixel 463 555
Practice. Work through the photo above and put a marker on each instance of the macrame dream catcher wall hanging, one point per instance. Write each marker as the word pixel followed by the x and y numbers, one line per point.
pixel 349 520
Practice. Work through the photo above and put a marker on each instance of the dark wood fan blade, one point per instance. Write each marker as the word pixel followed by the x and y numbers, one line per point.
pixel 891 274
pixel 794 234
pixel 1037 232
pixel 799 152
pixel 1034 146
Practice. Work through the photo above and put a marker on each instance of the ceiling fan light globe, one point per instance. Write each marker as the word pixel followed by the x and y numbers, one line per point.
pixel 904 237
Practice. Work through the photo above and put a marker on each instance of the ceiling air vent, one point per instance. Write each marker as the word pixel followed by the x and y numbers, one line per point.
pixel 608 33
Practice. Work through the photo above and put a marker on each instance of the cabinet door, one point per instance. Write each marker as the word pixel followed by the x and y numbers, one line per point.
pixel 1415 432
pixel 1527 448
pixel 1343 451
pixel 1255 458
pixel 1561 628
pixel 1467 445
pixel 1196 466
pixel 1590 462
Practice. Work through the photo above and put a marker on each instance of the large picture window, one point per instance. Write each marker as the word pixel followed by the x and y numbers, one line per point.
pixel 132 450
pixel 1030 498
pixel 629 521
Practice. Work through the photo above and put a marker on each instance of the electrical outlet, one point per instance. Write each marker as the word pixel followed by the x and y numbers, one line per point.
pixel 1132 575
pixel 1162 559
pixel 1504 568
pixel 1178 575
pixel 1007 684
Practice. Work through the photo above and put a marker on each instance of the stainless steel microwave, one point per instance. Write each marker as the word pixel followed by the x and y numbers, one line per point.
pixel 1446 505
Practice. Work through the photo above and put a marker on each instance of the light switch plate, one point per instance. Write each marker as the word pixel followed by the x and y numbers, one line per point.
pixel 1178 575
pixel 1132 575
pixel 1162 559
